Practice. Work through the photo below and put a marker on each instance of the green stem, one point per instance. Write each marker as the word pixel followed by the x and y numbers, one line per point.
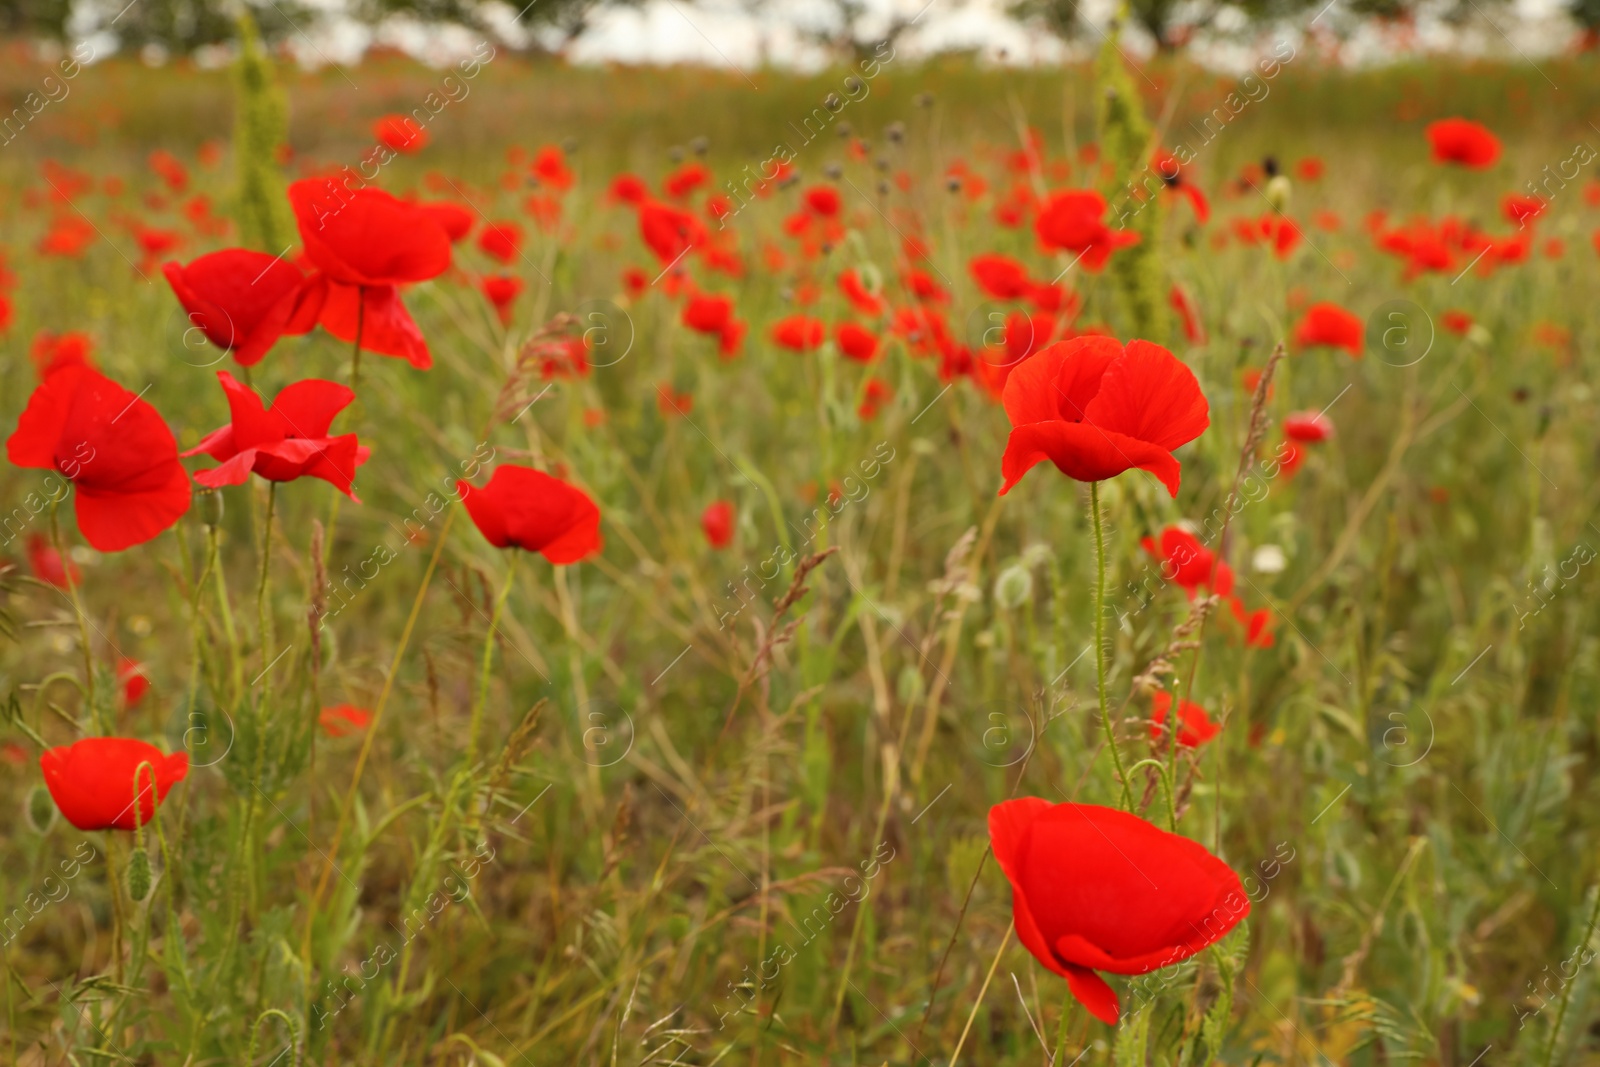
pixel 227 616
pixel 1100 641
pixel 262 608
pixel 1566 992
pixel 475 729
pixel 83 620
pixel 355 352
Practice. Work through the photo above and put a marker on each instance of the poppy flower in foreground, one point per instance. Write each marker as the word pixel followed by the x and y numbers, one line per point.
pixel 364 243
pixel 114 447
pixel 1463 141
pixel 1330 325
pixel 716 521
pixel 1096 889
pixel 528 509
pixel 455 220
pixel 1096 409
pixel 1195 727
pixel 283 442
pixel 91 781
pixel 343 720
pixel 240 300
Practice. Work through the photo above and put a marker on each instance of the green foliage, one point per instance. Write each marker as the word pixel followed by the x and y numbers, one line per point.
pixel 1126 141
pixel 261 123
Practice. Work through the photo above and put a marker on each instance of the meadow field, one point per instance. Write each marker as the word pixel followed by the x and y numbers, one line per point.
pixel 723 777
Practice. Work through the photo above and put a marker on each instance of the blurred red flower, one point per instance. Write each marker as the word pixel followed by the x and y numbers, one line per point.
pixel 502 291
pixel 1330 325
pixel 1189 564
pixel 501 240
pixel 400 133
pixel 717 523
pixel 55 351
pixel 47 565
pixel 856 342
pixel 1073 221
pixel 1195 727
pixel 343 720
pixel 1462 141
pixel 1000 276
pixel 798 333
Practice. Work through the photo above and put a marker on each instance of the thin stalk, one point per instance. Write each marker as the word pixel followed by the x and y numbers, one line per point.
pixel 1566 992
pixel 475 729
pixel 355 351
pixel 973 1014
pixel 83 620
pixel 262 607
pixel 1100 641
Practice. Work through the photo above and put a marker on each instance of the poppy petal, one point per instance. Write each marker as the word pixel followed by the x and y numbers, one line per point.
pixel 1083 451
pixel 1149 394
pixel 1059 381
pixel 1094 993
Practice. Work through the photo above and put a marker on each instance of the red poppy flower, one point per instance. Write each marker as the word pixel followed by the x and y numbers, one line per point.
pixel 730 342
pixel 1522 209
pixel 528 509
pixel 501 240
pixel 1189 564
pixel 717 523
pixel 1257 632
pixel 856 342
pixel 169 169
pixel 670 232
pixel 343 719
pixel 91 781
pixel 1456 321
pixel 364 243
pixel 1463 141
pixel 1000 276
pixel 241 300
pixel 1331 325
pixel 455 220
pixel 283 442
pixel 1310 169
pixel 924 288
pixel 1096 889
pixel 707 313
pixel 874 394
pixel 1096 409
pixel 47 564
pixel 798 333
pixel 1183 304
pixel 860 297
pixel 1307 426
pixel 1195 727
pixel 550 167
pixel 54 351
pixel 116 449
pixel 502 291
pixel 629 189
pixel 685 180
pixel 400 133
pixel 822 200
pixel 1074 221
pixel 135 683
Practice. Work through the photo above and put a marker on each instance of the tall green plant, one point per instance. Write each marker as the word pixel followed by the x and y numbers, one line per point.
pixel 260 128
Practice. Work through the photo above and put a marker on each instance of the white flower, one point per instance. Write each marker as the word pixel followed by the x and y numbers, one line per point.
pixel 1268 559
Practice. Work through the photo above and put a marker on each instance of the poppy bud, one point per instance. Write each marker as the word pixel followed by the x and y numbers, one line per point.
pixel 953 184
pixel 883 187
pixel 923 100
pixel 883 164
pixel 675 154
pixel 211 508
pixel 853 84
pixel 699 146
pixel 40 810
pixel 844 128
pixel 138 875
pixel 909 686
pixel 1014 587
pixel 833 171
pixel 1278 193
pixel 896 132
pixel 1477 335
pixel 835 104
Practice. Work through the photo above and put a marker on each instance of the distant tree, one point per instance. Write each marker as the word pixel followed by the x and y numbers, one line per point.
pixel 34 18
pixel 851 29
pixel 1170 23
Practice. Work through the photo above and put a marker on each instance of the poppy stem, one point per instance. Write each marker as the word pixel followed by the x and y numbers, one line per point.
pixel 355 353
pixel 1004 942
pixel 262 608
pixel 1100 641
pixel 476 722
pixel 83 620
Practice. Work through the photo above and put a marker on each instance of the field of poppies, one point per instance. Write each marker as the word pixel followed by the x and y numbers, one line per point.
pixel 916 563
